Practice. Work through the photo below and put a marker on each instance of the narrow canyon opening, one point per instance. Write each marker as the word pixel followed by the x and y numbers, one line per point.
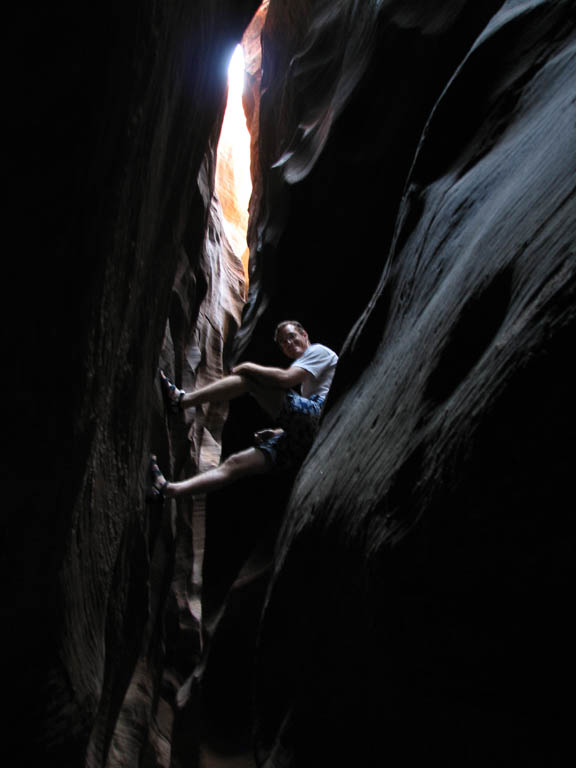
pixel 233 180
pixel 236 157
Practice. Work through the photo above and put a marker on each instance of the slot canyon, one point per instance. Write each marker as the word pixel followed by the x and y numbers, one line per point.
pixel 403 598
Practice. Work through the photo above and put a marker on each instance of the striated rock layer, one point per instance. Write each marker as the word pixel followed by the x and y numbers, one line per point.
pixel 118 112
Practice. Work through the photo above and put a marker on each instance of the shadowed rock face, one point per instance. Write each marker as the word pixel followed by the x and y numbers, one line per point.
pixel 420 597
pixel 118 108
pixel 347 89
pixel 416 165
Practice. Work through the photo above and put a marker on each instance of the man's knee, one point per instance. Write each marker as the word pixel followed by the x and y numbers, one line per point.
pixel 245 463
pixel 233 465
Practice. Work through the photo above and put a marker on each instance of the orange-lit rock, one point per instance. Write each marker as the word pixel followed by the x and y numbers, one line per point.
pixel 252 45
pixel 233 182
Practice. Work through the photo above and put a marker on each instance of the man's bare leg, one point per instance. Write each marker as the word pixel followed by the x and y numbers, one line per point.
pixel 230 387
pixel 239 465
pixel 219 391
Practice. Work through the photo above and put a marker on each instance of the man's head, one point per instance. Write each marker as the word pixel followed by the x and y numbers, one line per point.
pixel 292 338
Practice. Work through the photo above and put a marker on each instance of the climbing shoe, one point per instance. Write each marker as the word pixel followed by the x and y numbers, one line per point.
pixel 172 395
pixel 156 481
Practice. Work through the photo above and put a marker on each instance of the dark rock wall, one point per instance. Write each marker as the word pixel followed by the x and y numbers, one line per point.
pixel 319 245
pixel 347 88
pixel 419 608
pixel 114 108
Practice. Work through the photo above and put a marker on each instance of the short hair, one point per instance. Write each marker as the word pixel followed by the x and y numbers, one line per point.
pixel 288 322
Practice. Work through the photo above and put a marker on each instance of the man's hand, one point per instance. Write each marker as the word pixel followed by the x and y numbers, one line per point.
pixel 245 369
pixel 266 434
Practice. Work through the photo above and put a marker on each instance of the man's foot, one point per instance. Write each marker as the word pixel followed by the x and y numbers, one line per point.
pixel 172 395
pixel 156 481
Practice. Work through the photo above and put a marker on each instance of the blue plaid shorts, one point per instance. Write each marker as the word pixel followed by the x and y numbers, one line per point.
pixel 299 418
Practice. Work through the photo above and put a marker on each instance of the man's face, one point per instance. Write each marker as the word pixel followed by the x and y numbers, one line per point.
pixel 293 342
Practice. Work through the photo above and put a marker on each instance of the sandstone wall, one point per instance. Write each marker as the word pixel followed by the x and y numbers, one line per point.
pixel 115 108
pixel 421 586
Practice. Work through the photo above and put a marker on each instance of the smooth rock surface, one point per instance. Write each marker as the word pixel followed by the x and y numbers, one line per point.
pixel 421 588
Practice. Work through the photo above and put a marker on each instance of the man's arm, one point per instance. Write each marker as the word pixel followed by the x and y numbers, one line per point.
pixel 284 378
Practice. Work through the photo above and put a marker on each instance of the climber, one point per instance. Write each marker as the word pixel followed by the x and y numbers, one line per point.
pixel 297 415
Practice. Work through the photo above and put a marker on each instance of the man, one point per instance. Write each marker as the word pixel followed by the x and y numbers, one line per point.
pixel 297 415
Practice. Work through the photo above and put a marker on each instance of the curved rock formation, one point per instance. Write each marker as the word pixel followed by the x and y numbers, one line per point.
pixel 421 588
pixel 347 88
pixel 116 120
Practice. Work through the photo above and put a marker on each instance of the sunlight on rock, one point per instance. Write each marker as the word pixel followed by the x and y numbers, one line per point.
pixel 233 182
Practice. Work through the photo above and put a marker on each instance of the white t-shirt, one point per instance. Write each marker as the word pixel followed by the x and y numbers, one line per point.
pixel 320 362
